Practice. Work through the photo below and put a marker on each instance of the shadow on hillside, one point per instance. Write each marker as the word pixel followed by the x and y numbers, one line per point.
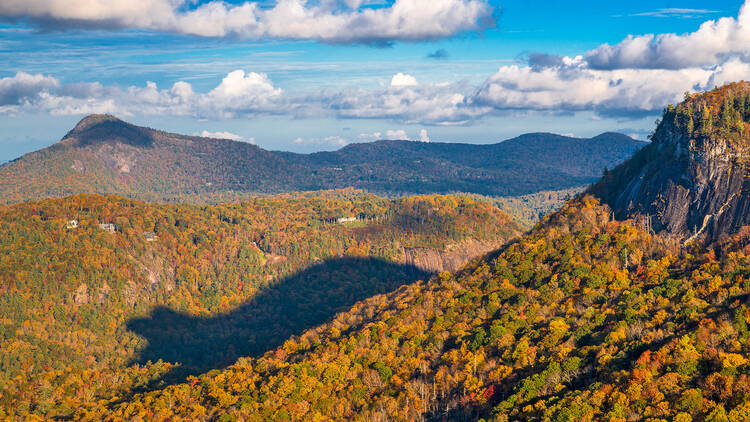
pixel 289 307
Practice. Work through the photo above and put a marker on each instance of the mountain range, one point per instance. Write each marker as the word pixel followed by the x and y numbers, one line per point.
pixel 105 155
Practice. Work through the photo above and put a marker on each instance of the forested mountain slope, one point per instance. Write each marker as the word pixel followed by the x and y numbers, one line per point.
pixel 105 155
pixel 90 312
pixel 584 318
pixel 526 164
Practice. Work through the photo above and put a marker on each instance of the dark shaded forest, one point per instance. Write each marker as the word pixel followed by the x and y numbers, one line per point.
pixel 289 307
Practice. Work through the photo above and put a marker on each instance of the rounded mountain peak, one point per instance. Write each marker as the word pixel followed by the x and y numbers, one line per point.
pixel 92 120
pixel 98 128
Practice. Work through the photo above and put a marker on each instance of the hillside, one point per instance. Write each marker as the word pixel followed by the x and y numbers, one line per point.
pixel 105 155
pixel 88 312
pixel 692 181
pixel 584 318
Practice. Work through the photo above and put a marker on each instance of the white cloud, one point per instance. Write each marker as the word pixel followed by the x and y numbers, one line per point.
pixel 396 135
pixel 712 43
pixel 226 135
pixel 401 79
pixel 389 135
pixel 328 21
pixel 24 87
pixel 579 88
pixel 328 141
pixel 423 136
pixel 639 75
pixel 730 71
pixel 423 103
pixel 240 93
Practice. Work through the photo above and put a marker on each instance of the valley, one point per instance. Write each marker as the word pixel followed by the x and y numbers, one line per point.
pixel 176 290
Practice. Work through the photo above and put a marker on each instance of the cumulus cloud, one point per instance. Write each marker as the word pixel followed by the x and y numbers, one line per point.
pixel 226 135
pixel 24 87
pixel 392 135
pixel 407 101
pixel 639 75
pixel 333 21
pixel 396 135
pixel 239 94
pixel 579 88
pixel 401 79
pixel 714 42
pixel 570 87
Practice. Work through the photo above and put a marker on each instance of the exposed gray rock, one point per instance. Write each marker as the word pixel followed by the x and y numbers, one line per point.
pixel 451 259
pixel 695 190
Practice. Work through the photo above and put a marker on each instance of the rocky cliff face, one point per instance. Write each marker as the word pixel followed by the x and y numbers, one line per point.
pixel 451 259
pixel 692 181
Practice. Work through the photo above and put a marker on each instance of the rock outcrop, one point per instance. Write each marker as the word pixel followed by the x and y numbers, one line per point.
pixel 693 180
pixel 452 259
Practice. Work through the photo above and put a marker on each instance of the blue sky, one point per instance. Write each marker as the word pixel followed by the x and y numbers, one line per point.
pixel 482 73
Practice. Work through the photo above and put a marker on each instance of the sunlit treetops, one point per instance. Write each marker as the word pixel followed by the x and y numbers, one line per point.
pixel 720 114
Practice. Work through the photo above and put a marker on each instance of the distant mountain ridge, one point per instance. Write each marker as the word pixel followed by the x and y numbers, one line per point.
pixel 106 155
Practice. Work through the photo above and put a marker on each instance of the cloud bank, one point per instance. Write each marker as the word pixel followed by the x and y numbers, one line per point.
pixel 631 79
pixel 388 135
pixel 567 88
pixel 226 135
pixel 330 21
pixel 715 41
pixel 640 75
